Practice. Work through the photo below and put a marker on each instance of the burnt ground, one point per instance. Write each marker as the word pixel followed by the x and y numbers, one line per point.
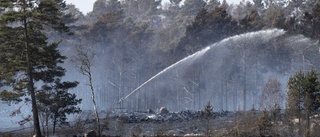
pixel 193 123
pixel 184 123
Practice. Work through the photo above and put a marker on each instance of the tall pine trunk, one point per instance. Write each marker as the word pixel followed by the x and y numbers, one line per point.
pixel 47 125
pixel 31 89
pixel 54 124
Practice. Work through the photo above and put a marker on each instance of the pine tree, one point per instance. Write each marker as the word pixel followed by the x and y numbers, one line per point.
pixel 294 99
pixel 206 116
pixel 54 102
pixel 303 95
pixel 311 103
pixel 264 123
pixel 208 110
pixel 26 57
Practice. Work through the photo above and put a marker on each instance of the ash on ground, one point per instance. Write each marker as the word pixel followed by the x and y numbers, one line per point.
pixel 149 123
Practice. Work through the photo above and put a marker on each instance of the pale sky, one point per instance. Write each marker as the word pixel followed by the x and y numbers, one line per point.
pixel 86 6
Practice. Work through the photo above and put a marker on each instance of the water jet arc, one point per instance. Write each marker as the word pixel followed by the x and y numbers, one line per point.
pixel 262 34
pixel 199 53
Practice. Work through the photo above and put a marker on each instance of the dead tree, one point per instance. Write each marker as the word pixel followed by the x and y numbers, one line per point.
pixel 83 62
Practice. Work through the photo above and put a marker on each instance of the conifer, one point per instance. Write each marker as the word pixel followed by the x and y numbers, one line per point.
pixel 26 56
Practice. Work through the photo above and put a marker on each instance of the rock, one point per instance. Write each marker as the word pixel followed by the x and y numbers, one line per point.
pixel 163 111
pixel 91 133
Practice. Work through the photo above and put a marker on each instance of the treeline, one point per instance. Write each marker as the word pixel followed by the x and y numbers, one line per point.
pixel 178 29
pixel 156 35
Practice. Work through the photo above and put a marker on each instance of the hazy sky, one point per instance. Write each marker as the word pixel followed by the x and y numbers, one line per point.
pixel 85 6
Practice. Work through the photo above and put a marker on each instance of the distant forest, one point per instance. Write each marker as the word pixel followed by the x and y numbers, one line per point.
pixel 167 33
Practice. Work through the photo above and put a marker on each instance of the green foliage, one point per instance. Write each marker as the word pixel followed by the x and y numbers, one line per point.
pixel 26 56
pixel 55 102
pixel 208 110
pixel 207 27
pixel 295 88
pixel 264 124
pixel 44 57
pixel 303 97
pixel 10 97
pixel 274 17
pixel 302 89
pixel 252 21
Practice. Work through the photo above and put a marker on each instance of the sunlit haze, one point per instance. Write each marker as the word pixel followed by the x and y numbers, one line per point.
pixel 86 6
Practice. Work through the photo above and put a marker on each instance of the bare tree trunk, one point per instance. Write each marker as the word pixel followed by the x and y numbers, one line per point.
pixel 84 61
pixel 94 104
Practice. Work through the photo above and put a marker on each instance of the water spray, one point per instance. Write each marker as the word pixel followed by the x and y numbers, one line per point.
pixel 274 32
pixel 197 54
